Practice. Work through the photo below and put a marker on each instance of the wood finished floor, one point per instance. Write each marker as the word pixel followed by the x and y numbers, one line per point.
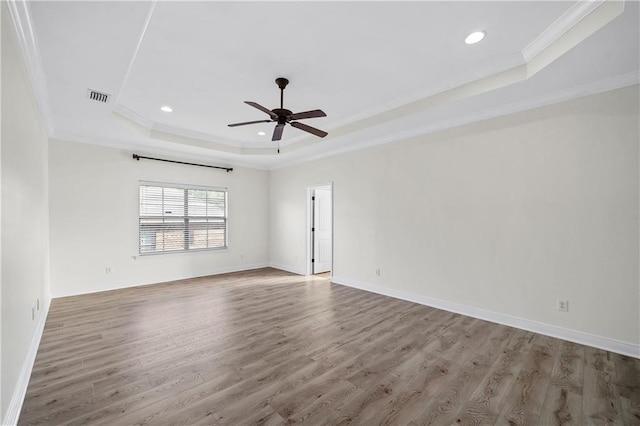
pixel 268 347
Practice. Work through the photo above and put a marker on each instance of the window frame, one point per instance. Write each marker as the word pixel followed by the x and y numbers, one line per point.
pixel 186 219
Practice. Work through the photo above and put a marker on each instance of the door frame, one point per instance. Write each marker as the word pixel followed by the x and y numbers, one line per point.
pixel 309 224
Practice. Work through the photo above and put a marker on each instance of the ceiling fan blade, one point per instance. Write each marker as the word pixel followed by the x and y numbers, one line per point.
pixel 261 108
pixel 307 114
pixel 310 129
pixel 277 132
pixel 248 122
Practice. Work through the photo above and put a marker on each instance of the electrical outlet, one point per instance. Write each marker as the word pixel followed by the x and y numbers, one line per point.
pixel 378 272
pixel 563 305
pixel 38 304
pixel 33 314
pixel 107 270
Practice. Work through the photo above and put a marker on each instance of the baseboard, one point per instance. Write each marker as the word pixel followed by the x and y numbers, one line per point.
pixel 600 342
pixel 287 268
pixel 15 405
pixel 162 279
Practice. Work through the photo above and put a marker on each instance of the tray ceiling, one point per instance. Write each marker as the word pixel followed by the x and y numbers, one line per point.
pixel 381 71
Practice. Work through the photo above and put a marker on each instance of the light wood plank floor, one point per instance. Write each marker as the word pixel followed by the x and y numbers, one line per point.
pixel 268 347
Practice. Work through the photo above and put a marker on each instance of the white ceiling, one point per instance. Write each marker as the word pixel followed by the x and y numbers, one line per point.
pixel 381 71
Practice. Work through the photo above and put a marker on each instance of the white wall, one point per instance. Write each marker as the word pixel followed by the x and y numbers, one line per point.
pixel 24 217
pixel 506 215
pixel 94 220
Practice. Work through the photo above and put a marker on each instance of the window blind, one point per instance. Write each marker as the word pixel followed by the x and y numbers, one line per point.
pixel 181 218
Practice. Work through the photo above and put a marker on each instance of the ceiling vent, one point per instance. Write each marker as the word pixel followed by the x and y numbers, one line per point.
pixel 98 96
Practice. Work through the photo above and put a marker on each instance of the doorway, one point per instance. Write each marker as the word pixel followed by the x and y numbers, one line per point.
pixel 320 229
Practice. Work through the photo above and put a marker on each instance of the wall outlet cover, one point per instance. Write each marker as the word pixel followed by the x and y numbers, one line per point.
pixel 563 305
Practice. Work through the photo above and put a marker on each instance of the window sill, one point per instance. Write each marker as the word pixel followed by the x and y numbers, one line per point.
pixel 205 250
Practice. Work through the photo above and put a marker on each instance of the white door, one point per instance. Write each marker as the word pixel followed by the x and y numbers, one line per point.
pixel 322 231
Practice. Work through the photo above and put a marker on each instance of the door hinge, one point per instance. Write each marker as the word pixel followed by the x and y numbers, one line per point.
pixel 313 229
pixel 313 260
pixel 313 198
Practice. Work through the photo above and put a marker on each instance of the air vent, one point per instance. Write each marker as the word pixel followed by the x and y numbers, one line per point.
pixel 98 96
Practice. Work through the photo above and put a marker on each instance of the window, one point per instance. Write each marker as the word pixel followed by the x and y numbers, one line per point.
pixel 181 218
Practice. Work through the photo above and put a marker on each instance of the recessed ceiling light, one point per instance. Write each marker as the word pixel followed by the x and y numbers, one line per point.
pixel 475 37
pixel 166 108
pixel 261 133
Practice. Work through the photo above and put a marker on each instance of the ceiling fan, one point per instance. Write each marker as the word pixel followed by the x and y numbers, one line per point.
pixel 283 116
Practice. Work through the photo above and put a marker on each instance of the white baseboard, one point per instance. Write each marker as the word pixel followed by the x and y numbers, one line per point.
pixel 288 268
pixel 157 280
pixel 15 405
pixel 600 342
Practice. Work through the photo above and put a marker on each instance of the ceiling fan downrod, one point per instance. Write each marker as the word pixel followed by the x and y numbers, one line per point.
pixel 282 84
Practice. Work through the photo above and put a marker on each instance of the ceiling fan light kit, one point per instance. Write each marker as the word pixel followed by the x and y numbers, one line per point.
pixel 283 116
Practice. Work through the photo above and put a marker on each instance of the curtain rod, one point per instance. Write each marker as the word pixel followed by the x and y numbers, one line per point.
pixel 138 157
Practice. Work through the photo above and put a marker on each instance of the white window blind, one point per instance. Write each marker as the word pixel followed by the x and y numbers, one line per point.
pixel 181 218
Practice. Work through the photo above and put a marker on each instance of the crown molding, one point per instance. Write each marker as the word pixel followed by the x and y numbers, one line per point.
pixel 201 140
pixel 131 115
pixel 496 67
pixel 165 132
pixel 179 153
pixel 185 133
pixel 560 26
pixel 21 18
pixel 594 88
pixel 587 18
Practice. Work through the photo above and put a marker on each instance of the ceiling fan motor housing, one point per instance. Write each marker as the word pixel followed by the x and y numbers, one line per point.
pixel 283 115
